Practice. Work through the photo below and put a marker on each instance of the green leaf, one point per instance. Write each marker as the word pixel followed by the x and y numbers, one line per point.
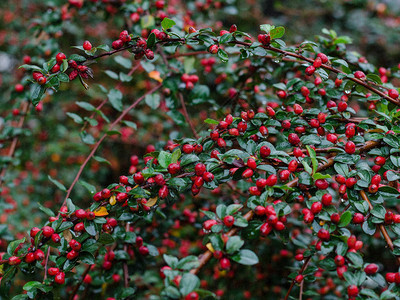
pixel 87 138
pixel 164 159
pixel 85 105
pixel 111 74
pixel 153 100
pixel 46 210
pixel 171 261
pixel 345 219
pixel 356 259
pixel 91 188
pixel 188 263
pixel 75 117
pixel 123 61
pixel 317 176
pixel 246 257
pixel 32 285
pixel 151 41
pixel 277 32
pixel 115 98
pixel 31 67
pixel 313 157
pixel 147 21
pixel 223 55
pixel 101 159
pixel 233 244
pixel 176 155
pixel 90 228
pixel 57 183
pixel 167 23
pixel 106 239
pixel 233 208
pixel 63 77
pixel 13 245
pixel 266 27
pixel 87 258
pixel 189 282
pixel 211 121
pixel 130 124
pixel 378 211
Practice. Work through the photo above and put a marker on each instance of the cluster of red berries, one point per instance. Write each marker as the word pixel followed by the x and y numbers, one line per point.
pixel 189 80
pixel 272 220
pixel 318 61
pixel 80 70
pixel 59 276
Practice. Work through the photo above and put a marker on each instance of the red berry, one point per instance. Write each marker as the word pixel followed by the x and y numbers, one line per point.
pixel 352 291
pixel 14 260
pixel 47 231
pixel 192 296
pixel 359 75
pixel 225 263
pixel 207 225
pixel 229 220
pixel 60 58
pixel 117 44
pixel 53 271
pixel 87 46
pixel 324 234
pixel 339 260
pixel 393 94
pixel 350 147
pixel 60 278
pixel 213 49
pixel 371 269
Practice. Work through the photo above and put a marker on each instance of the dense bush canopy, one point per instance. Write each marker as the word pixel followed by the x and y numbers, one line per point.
pixel 199 150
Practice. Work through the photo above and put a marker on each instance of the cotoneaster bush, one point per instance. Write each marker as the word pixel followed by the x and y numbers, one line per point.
pixel 276 175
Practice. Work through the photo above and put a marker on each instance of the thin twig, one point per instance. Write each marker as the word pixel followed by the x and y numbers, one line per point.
pixel 13 146
pixel 125 264
pixel 303 268
pixel 186 115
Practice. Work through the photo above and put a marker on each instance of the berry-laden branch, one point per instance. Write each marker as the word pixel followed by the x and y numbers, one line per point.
pixel 25 106
pixel 381 227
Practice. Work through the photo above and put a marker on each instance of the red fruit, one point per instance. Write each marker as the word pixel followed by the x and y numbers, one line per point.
pixel 294 139
pixel 55 237
pixel 34 231
pixel 266 229
pixel 87 46
pixel 199 169
pixel 47 231
pixel 317 62
pixel 376 179
pixel 297 108
pixel 390 277
pixel 225 263
pixel 299 278
pixel 187 148
pixel 335 218
pixel 53 271
pixel 324 234
pixel 265 151
pixel 208 176
pixel 263 130
pixel 213 49
pixel 316 207
pixel 251 163
pixel 60 278
pixel 192 296
pixel 284 175
pixel 350 182
pixel 39 255
pixel 149 54
pixel 281 94
pixel 259 210
pixel 326 199
pixel 359 75
pixel 393 93
pixel 264 39
pixel 272 179
pixel 228 221
pixel 60 57
pixel 75 245
pixel 14 260
pixel 19 88
pixel 310 70
pixel 350 147
pixel 87 279
pixel 321 184
pixel 351 241
pixel 143 250
pixel 247 173
pixel 30 258
pixel 242 126
pixel 163 192
pixel 358 218
pixel 207 225
pixel 117 44
pixel 42 80
pixel 342 106
pixel 72 254
pixel 174 168
pixel 339 260
pixel 323 57
pixel 380 160
pixel 373 188
pixel 352 290
pixel 138 178
pixel 371 269
pixel 81 214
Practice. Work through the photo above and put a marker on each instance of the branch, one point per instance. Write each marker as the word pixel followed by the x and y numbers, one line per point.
pixel 303 268
pixel 13 146
pixel 381 227
pixel 206 256
pixel 186 115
